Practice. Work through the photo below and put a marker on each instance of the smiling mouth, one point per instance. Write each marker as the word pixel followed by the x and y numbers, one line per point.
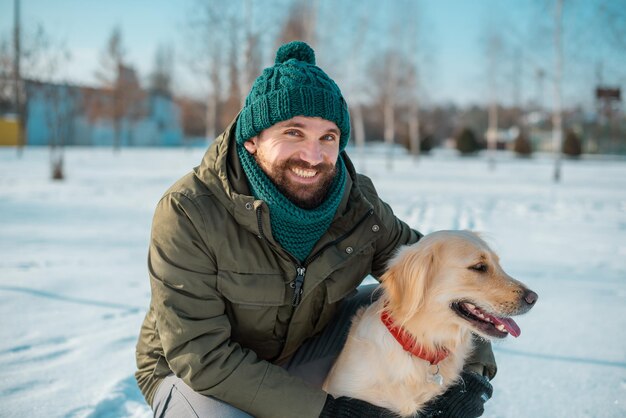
pixel 306 174
pixel 485 322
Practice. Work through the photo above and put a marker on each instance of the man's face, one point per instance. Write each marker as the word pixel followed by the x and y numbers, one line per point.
pixel 299 156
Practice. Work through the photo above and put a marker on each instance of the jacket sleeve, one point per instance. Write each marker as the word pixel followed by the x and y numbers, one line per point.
pixel 397 233
pixel 195 331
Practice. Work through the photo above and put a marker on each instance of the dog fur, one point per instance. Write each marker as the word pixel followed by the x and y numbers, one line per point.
pixel 422 290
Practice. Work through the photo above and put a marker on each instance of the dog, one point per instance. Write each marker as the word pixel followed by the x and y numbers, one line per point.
pixel 410 345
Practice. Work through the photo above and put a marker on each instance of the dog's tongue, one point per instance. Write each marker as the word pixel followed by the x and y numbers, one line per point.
pixel 509 324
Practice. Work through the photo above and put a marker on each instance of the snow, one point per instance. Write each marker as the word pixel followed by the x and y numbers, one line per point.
pixel 74 287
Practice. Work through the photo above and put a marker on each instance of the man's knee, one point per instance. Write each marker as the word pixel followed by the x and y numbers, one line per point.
pixel 174 399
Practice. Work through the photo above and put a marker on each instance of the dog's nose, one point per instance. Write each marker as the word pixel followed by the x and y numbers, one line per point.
pixel 530 297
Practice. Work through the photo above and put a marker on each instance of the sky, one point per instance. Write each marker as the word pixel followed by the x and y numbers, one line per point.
pixel 454 32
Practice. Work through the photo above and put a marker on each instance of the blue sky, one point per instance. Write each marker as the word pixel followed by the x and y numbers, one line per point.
pixel 454 31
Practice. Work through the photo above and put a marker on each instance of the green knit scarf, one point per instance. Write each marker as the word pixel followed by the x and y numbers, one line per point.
pixel 296 229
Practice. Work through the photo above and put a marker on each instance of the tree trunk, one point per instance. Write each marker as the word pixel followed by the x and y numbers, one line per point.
pixel 492 133
pixel 414 130
pixel 56 162
pixel 211 117
pixel 117 130
pixel 557 121
pixel 359 133
pixel 390 129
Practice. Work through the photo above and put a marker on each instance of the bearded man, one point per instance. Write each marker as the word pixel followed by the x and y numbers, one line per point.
pixel 255 262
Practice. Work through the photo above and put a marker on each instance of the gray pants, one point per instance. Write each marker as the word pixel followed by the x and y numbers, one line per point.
pixel 312 362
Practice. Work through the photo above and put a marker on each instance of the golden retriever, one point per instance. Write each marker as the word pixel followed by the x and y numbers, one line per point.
pixel 410 345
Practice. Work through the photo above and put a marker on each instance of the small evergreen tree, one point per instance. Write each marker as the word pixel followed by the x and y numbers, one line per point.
pixel 572 145
pixel 466 142
pixel 522 145
pixel 427 144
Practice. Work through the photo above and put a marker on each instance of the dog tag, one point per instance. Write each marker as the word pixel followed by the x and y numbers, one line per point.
pixel 436 378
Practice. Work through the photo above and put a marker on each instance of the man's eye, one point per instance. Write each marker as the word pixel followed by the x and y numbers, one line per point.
pixel 292 132
pixel 329 138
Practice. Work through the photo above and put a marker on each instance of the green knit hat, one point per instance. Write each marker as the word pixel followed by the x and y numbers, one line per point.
pixel 294 86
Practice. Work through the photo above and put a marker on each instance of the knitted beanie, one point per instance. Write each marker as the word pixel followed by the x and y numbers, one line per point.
pixel 294 86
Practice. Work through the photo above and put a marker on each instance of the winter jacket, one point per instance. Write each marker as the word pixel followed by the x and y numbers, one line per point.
pixel 222 315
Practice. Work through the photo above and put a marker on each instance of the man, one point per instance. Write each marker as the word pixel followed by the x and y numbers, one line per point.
pixel 255 258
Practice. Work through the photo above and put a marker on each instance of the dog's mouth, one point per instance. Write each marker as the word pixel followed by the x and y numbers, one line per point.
pixel 485 322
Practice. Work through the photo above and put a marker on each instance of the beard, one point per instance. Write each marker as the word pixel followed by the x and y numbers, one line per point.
pixel 305 196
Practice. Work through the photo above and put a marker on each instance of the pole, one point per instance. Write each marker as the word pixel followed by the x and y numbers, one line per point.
pixel 17 77
pixel 557 120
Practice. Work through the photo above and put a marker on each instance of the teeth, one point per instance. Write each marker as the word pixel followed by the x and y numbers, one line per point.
pixel 477 312
pixel 304 173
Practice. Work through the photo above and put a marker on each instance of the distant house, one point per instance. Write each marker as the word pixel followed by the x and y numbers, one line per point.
pixel 9 130
pixel 63 114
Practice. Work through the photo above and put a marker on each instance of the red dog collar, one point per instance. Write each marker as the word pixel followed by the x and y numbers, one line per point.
pixel 409 343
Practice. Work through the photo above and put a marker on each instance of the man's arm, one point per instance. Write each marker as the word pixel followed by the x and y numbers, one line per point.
pixel 396 232
pixel 193 327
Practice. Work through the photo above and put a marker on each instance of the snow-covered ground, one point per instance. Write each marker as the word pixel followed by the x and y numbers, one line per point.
pixel 74 287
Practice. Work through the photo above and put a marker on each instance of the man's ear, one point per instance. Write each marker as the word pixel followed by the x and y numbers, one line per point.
pixel 251 145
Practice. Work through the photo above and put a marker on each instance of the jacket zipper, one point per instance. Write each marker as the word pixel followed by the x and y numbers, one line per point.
pixel 298 283
pixel 297 286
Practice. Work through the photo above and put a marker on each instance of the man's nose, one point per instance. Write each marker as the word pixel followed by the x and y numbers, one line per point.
pixel 311 152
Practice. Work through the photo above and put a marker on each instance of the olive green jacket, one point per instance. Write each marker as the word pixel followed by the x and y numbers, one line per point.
pixel 222 316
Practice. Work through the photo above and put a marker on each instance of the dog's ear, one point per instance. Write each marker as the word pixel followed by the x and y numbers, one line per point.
pixel 408 278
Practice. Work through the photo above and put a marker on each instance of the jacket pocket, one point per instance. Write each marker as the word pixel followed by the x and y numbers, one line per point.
pixel 342 284
pixel 252 303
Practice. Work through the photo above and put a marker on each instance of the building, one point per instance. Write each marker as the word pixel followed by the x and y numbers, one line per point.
pixel 63 114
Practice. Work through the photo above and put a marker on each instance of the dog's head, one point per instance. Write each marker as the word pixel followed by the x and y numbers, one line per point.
pixel 455 278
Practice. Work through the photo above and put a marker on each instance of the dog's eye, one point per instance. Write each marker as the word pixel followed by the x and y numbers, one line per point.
pixel 480 267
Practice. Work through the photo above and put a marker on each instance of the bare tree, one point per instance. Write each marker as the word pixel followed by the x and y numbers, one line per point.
pixel 7 83
pixel 252 52
pixel 111 65
pixel 226 41
pixel 354 82
pixel 162 74
pixel 161 79
pixel 391 77
pixel 557 121
pixel 414 53
pixel 494 57
pixel 124 105
pixel 389 97
pixel 233 100
pixel 62 103
pixel 301 23
pixel 130 105
pixel 111 58
pixel 395 72
pixel 205 30
pixel 23 62
pixel 414 117
pixel 43 63
pixel 17 77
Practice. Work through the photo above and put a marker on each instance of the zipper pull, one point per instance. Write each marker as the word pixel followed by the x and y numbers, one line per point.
pixel 297 286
